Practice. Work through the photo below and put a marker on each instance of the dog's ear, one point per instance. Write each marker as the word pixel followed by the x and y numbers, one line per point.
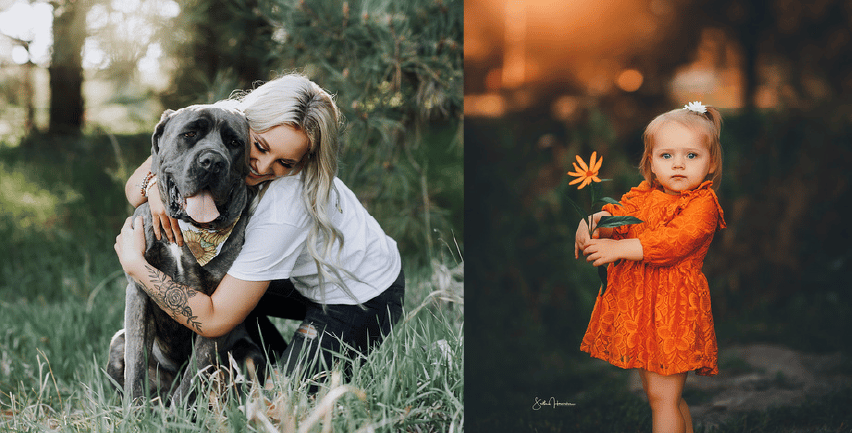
pixel 155 139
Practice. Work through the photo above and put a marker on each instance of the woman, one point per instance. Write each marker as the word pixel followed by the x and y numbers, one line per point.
pixel 311 253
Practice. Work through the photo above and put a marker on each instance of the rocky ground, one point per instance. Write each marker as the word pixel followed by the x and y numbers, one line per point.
pixel 759 376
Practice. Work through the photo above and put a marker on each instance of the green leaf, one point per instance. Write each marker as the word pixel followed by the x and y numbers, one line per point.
pixel 602 276
pixel 577 208
pixel 609 200
pixel 617 221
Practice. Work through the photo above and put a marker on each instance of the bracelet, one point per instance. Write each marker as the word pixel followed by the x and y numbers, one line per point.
pixel 150 184
pixel 144 186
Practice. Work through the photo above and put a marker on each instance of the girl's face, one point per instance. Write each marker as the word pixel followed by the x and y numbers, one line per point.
pixel 275 153
pixel 679 159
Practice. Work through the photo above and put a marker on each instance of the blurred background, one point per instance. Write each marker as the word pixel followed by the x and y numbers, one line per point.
pixel 77 72
pixel 545 81
pixel 84 82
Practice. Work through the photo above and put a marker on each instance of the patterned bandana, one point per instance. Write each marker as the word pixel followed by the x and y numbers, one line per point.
pixel 205 244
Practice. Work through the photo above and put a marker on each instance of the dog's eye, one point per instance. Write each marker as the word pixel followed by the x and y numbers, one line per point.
pixel 190 134
pixel 236 143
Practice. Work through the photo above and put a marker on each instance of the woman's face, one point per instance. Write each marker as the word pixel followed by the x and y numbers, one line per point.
pixel 275 153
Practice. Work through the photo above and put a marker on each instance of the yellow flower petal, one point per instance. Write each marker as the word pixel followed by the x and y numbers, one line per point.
pixel 586 174
pixel 576 168
pixel 582 163
pixel 597 166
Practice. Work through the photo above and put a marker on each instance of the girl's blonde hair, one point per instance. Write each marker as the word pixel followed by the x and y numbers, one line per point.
pixel 296 101
pixel 707 125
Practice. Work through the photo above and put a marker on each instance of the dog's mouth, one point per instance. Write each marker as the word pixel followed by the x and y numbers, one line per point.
pixel 200 206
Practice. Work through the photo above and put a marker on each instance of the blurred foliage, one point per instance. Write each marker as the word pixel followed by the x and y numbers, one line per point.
pixel 395 69
pixel 807 42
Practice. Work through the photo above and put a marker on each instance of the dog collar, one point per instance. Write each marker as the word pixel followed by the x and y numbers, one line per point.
pixel 204 244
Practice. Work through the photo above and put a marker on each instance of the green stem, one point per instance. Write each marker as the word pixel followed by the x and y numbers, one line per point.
pixel 592 208
pixel 591 217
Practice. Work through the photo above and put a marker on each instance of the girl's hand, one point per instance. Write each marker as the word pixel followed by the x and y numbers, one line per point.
pixel 162 219
pixel 581 238
pixel 603 251
pixel 130 245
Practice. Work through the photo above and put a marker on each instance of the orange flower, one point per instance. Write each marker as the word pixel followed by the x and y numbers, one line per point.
pixel 588 173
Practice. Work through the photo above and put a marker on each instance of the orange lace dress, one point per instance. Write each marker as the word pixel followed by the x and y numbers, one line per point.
pixel 655 313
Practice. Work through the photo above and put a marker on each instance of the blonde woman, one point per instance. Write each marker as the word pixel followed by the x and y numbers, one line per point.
pixel 312 252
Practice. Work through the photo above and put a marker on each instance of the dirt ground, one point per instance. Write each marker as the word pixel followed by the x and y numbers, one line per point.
pixel 756 377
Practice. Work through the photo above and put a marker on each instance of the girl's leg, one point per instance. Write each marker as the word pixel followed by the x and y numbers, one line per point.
pixel 665 396
pixel 687 418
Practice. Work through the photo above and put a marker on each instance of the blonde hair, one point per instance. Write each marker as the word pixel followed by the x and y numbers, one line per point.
pixel 295 100
pixel 707 125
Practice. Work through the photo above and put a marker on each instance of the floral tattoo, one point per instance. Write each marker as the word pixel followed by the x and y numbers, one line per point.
pixel 172 297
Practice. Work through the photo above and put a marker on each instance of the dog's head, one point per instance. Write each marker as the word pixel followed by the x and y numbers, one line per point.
pixel 200 157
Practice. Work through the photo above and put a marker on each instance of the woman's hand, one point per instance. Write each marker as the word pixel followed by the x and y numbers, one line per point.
pixel 603 251
pixel 130 246
pixel 160 218
pixel 132 190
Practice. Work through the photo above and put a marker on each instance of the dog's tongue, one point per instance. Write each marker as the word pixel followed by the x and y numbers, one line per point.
pixel 201 207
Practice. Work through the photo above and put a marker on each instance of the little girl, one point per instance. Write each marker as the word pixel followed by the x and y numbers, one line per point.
pixel 655 314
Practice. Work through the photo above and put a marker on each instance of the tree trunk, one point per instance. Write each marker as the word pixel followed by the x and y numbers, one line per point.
pixel 66 67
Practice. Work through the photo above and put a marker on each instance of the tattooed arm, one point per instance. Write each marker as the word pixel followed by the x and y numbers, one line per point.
pixel 208 316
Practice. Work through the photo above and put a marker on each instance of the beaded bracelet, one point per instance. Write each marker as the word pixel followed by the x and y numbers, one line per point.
pixel 144 186
pixel 150 185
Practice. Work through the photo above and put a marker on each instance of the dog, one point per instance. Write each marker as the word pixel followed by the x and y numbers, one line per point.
pixel 200 159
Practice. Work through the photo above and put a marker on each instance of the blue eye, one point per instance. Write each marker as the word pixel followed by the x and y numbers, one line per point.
pixel 692 155
pixel 666 155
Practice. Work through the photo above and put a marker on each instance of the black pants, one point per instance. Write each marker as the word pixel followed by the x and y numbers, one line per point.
pixel 317 343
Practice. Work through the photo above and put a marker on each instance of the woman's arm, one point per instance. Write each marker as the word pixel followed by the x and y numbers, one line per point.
pixel 133 192
pixel 208 316
pixel 132 189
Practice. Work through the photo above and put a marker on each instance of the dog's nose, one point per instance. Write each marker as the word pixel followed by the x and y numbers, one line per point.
pixel 212 162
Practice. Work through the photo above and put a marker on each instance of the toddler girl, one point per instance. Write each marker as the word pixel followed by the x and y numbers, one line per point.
pixel 655 314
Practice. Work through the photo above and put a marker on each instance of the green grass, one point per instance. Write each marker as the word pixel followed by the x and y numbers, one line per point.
pixel 62 299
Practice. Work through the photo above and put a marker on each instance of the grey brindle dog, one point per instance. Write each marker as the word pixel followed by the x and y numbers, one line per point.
pixel 198 151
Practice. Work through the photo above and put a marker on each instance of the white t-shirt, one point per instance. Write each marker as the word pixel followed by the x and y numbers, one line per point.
pixel 275 245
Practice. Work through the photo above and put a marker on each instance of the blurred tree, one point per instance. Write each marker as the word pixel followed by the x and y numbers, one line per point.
pixel 217 46
pixel 798 49
pixel 24 93
pixel 805 43
pixel 66 66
